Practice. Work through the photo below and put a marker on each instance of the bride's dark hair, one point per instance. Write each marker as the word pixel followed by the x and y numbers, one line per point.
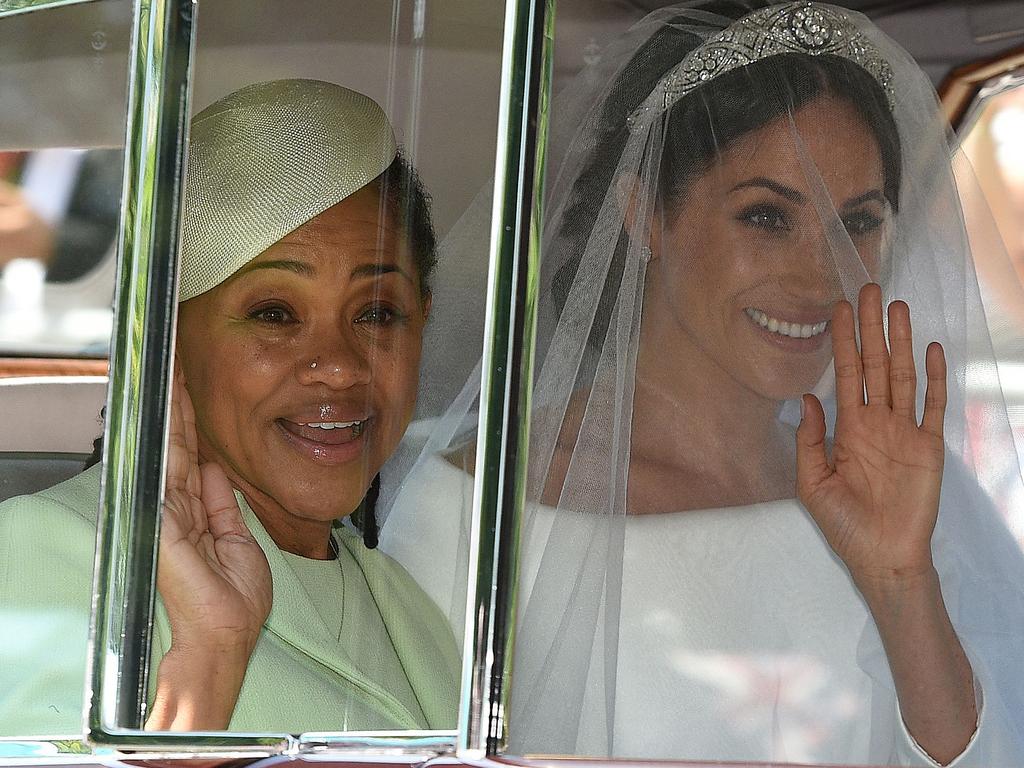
pixel 703 124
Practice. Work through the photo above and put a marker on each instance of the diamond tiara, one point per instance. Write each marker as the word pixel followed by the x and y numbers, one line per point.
pixel 801 27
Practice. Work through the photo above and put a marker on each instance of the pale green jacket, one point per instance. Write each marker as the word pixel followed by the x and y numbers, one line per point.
pixel 299 678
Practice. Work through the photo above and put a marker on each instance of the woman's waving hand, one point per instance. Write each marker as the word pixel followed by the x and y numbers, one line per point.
pixel 215 583
pixel 876 500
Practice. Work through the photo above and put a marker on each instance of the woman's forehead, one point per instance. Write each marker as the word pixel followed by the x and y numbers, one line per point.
pixel 364 215
pixel 801 145
pixel 355 237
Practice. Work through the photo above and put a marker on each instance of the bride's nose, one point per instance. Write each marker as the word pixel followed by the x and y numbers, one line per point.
pixel 826 265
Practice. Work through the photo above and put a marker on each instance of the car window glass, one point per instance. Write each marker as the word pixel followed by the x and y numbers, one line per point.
pixel 63 75
pixel 718 311
pixel 326 324
pixel 992 145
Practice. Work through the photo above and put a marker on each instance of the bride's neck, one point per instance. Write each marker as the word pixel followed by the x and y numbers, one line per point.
pixel 688 411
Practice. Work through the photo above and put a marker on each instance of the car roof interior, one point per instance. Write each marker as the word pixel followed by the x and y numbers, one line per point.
pixel 63 71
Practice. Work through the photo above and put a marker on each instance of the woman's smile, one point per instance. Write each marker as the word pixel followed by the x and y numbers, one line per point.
pixel 324 331
pixel 796 335
pixel 792 328
pixel 752 291
pixel 329 443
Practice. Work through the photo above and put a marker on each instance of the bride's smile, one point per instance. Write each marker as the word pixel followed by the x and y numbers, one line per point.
pixel 776 232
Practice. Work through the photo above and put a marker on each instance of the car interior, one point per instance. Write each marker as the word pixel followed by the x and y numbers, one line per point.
pixel 436 69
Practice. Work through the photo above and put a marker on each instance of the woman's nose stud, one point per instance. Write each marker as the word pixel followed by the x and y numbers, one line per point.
pixel 313 364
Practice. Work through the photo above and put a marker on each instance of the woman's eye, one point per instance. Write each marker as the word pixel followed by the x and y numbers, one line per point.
pixel 379 315
pixel 861 223
pixel 765 217
pixel 272 315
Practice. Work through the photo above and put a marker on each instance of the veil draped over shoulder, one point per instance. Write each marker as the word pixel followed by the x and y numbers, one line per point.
pixel 724 174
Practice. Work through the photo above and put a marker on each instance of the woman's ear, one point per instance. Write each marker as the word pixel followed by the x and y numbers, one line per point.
pixel 427 302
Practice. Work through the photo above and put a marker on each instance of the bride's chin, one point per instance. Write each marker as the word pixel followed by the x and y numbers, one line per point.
pixel 782 385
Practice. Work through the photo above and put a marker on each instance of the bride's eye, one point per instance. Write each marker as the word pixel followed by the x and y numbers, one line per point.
pixel 766 217
pixel 861 222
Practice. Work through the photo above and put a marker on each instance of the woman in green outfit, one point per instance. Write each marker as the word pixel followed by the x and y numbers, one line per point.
pixel 306 252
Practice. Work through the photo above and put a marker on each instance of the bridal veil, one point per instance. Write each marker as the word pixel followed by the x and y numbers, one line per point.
pixel 675 599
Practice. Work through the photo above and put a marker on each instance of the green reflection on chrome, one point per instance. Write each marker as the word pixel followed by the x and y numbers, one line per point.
pixel 18 748
pixel 162 47
pixel 15 7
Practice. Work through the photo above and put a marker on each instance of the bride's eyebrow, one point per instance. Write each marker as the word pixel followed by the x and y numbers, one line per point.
pixel 874 194
pixel 780 189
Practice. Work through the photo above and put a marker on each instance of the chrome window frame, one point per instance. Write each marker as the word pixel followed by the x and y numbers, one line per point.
pixel 963 90
pixel 507 374
pixel 1011 80
pixel 162 52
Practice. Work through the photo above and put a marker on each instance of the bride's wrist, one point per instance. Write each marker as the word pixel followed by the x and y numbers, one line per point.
pixel 888 589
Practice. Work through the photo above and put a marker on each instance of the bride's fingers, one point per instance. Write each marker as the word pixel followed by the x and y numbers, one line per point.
pixel 935 395
pixel 874 353
pixel 902 371
pixel 812 467
pixel 849 374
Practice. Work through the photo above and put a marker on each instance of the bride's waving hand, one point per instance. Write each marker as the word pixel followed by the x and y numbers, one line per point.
pixel 876 499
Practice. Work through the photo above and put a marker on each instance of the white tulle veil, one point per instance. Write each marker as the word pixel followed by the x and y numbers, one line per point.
pixel 630 137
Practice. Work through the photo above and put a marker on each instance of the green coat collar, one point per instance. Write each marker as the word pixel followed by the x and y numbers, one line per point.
pixel 421 636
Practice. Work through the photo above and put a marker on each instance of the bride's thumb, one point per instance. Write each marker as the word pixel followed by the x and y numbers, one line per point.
pixel 812 465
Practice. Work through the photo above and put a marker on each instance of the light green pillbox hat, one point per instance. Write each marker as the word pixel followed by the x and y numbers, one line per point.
pixel 266 159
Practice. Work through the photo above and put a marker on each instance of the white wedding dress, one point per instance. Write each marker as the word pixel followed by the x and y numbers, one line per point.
pixel 741 638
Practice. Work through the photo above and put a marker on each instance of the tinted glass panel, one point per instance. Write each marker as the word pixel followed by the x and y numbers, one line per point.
pixel 745 464
pixel 331 310
pixel 63 80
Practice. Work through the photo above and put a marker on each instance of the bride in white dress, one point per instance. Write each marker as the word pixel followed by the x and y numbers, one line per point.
pixel 757 528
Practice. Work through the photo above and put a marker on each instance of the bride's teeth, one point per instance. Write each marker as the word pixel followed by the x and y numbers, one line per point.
pixel 785 327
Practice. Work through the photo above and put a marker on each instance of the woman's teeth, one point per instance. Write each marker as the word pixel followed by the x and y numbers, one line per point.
pixel 357 426
pixel 784 327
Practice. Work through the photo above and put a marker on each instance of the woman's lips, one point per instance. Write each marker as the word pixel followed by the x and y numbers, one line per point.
pixel 326 442
pixel 789 334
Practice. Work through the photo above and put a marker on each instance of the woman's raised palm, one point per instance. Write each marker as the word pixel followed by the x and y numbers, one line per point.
pixel 876 498
pixel 213 576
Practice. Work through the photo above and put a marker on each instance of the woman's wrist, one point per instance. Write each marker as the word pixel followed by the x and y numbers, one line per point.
pixel 198 686
pixel 933 677
pixel 886 589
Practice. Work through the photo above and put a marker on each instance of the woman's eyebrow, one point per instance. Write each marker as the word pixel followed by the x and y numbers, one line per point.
pixel 377 269
pixel 289 265
pixel 780 189
pixel 874 194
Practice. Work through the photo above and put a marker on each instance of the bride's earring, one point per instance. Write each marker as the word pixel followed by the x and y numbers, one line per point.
pixel 645 253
